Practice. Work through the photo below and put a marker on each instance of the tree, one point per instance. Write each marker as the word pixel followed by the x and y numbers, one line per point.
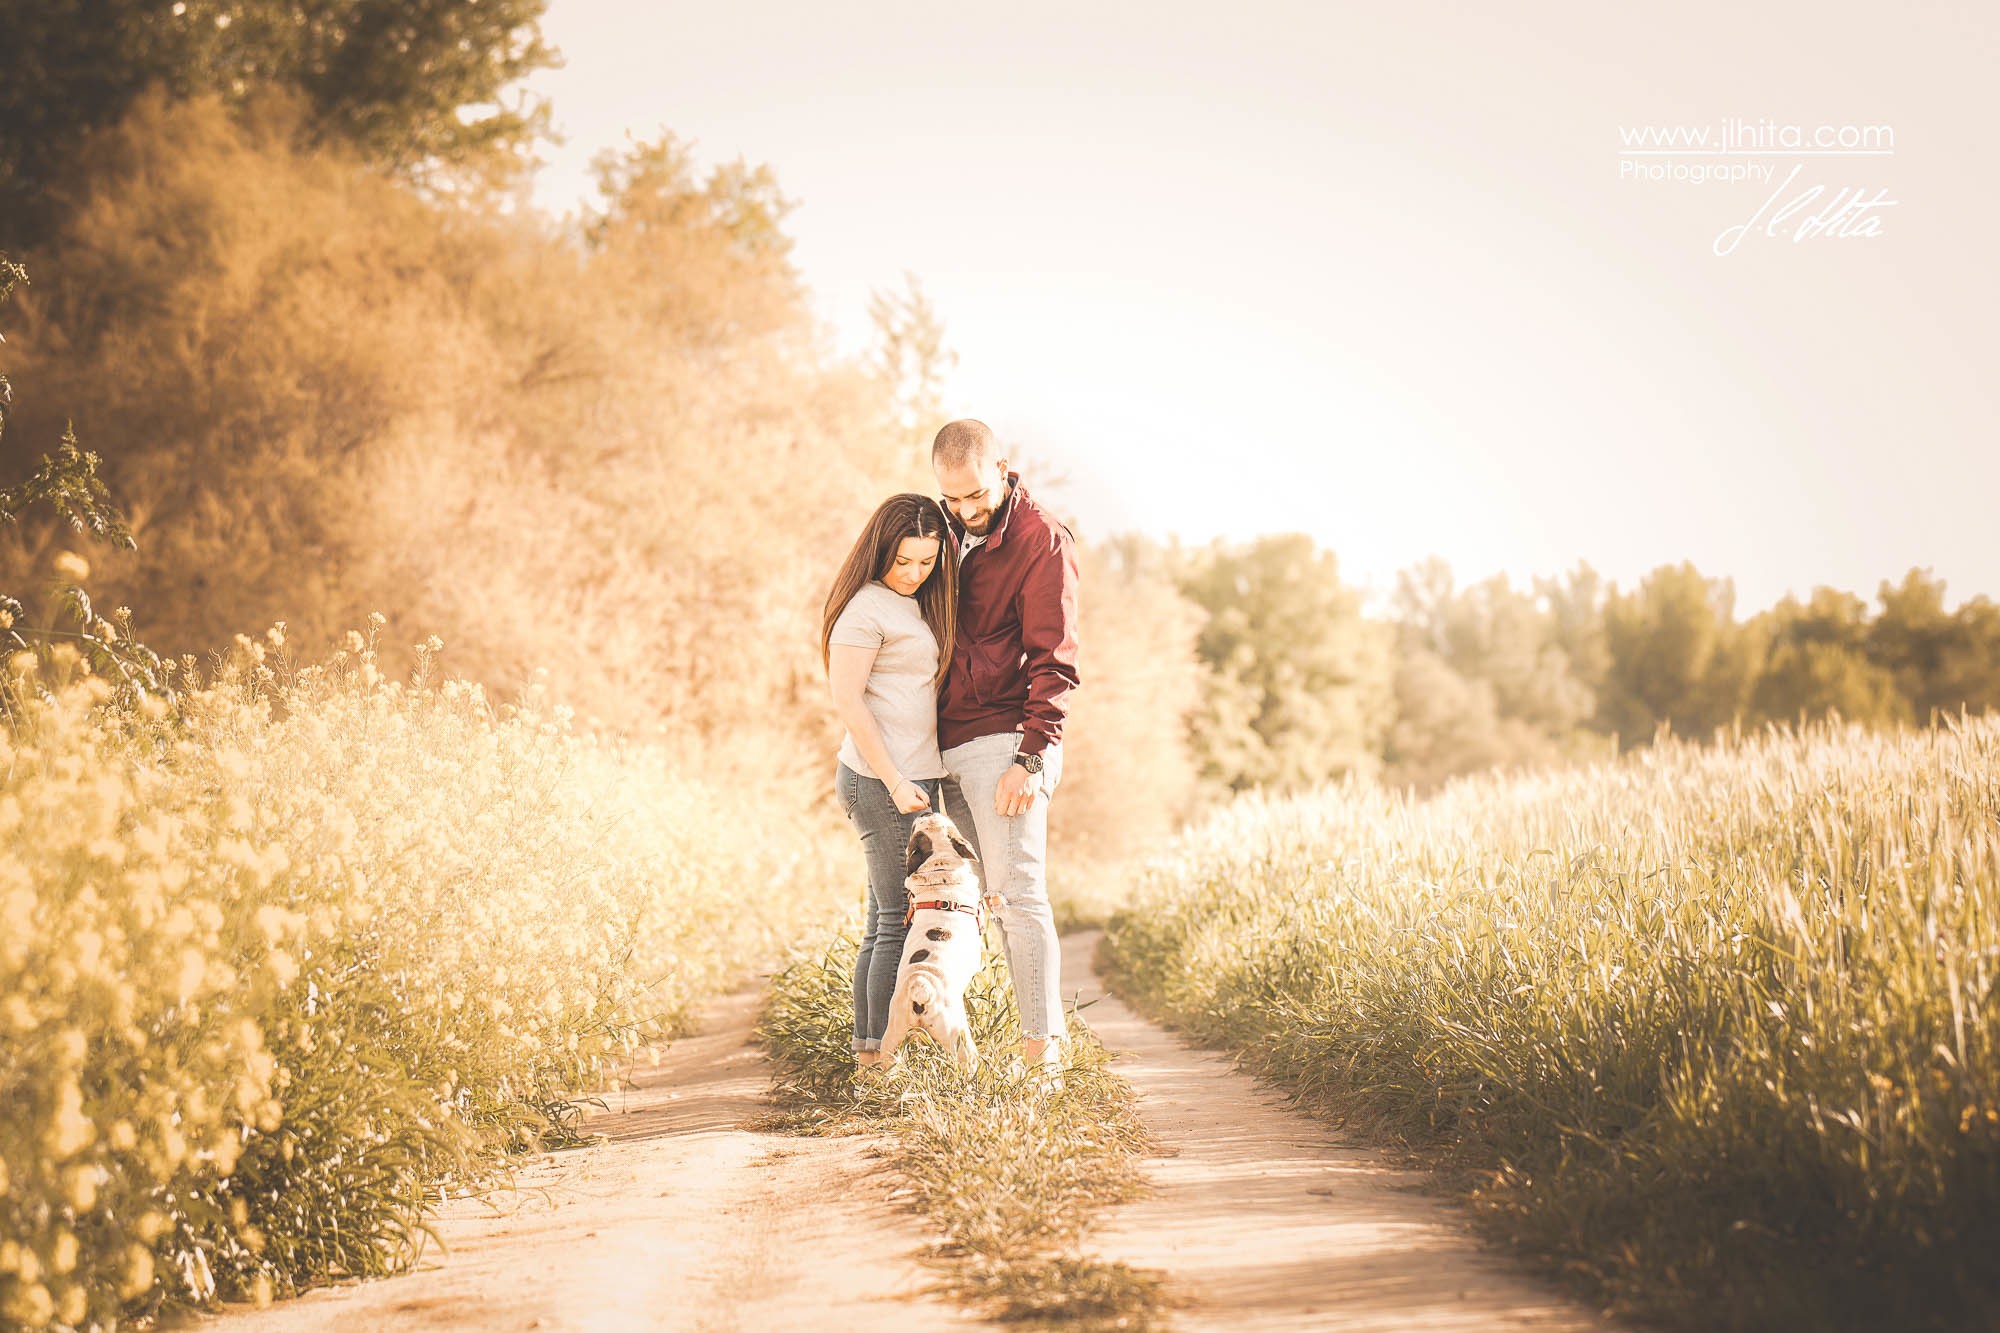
pixel 1676 656
pixel 1129 771
pixel 1481 680
pixel 1494 633
pixel 911 358
pixel 68 484
pixel 1445 724
pixel 423 87
pixel 1941 661
pixel 1301 681
pixel 708 255
pixel 1575 603
pixel 1817 662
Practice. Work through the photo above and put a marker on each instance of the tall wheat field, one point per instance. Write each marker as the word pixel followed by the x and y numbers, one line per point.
pixel 1712 1030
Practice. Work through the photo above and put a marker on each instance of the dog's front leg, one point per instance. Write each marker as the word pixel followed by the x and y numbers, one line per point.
pixel 962 1044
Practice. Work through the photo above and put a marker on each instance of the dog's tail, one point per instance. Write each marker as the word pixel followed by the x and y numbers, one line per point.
pixel 922 993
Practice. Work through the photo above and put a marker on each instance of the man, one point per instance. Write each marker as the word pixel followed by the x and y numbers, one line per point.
pixel 1003 702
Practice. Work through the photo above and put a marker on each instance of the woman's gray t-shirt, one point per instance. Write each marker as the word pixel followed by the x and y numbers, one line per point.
pixel 902 692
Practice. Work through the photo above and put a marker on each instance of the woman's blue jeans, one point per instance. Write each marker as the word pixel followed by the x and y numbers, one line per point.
pixel 885 836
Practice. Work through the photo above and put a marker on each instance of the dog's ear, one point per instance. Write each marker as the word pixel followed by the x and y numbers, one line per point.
pixel 961 846
pixel 918 852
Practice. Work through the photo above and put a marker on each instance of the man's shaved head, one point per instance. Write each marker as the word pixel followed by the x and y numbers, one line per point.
pixel 962 443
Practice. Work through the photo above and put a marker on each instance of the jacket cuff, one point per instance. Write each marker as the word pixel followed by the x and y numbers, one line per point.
pixel 1033 742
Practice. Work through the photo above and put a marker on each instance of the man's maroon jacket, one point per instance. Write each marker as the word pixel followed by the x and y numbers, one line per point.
pixel 1014 663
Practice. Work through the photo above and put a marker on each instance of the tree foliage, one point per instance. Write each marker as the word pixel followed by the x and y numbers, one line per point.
pixel 911 356
pixel 1816 662
pixel 1484 678
pixel 1299 680
pixel 1941 661
pixel 424 87
pixel 1126 739
pixel 1677 656
pixel 67 483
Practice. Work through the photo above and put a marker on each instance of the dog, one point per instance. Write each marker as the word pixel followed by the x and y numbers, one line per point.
pixel 947 919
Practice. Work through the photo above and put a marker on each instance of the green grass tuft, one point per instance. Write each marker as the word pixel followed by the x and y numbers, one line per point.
pixel 1011 1172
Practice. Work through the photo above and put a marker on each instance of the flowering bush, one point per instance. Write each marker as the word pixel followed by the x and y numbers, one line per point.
pixel 281 962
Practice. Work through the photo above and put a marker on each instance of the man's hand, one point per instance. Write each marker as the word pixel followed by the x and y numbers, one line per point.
pixel 1017 791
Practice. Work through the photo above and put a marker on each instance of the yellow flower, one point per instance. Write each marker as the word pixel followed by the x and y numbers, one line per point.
pixel 193 967
pixel 138 1272
pixel 62 1259
pixel 173 1147
pixel 80 1188
pixel 71 1131
pixel 70 565
pixel 276 923
pixel 30 1305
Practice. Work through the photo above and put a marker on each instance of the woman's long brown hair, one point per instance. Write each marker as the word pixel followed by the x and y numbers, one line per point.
pixel 898 517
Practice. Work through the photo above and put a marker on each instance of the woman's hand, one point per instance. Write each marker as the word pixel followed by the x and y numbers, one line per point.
pixel 909 797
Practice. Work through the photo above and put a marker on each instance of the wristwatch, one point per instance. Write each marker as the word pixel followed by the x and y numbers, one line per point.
pixel 1031 762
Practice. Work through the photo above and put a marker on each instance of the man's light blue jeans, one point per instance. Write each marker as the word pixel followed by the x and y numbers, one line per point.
pixel 1012 863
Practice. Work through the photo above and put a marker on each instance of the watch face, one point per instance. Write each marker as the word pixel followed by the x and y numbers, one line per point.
pixel 1031 762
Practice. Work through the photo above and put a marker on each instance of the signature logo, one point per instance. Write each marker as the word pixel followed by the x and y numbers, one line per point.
pixel 1846 215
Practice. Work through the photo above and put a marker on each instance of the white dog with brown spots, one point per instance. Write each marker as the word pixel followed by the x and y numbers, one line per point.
pixel 941 954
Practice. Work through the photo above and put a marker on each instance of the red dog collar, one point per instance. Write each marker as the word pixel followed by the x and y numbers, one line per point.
pixel 977 910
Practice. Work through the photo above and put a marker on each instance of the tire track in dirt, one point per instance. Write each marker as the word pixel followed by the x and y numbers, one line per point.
pixel 1265 1218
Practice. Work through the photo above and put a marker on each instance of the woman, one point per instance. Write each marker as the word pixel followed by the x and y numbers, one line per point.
pixel 885 640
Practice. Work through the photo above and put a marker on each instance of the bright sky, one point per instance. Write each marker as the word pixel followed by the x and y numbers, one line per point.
pixel 1371 272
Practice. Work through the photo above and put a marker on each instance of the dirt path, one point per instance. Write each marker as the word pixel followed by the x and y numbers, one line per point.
pixel 684 1220
pixel 1267 1220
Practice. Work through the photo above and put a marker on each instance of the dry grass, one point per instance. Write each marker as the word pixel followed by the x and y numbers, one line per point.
pixel 1711 1030
pixel 1010 1173
pixel 278 966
